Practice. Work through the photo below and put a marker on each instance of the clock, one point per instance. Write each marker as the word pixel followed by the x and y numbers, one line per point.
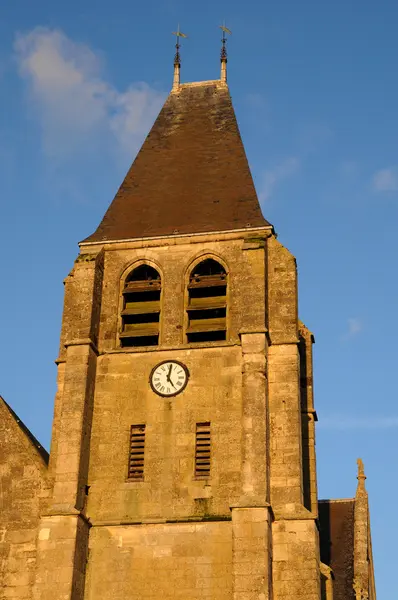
pixel 169 378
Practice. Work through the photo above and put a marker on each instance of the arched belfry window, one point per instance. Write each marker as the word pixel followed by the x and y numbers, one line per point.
pixel 141 308
pixel 207 302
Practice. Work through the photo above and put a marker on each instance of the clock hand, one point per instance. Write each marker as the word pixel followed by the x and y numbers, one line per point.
pixel 168 378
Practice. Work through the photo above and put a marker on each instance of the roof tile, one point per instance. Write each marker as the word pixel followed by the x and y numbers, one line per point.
pixel 336 519
pixel 191 174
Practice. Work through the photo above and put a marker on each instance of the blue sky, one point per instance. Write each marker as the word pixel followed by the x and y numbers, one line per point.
pixel 316 93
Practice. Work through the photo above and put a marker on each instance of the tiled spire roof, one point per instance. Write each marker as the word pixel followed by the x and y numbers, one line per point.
pixel 191 174
pixel 336 522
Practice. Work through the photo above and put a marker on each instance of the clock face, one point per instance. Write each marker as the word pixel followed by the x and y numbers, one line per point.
pixel 169 378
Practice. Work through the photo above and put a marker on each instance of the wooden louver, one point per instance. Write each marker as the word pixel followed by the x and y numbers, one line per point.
pixel 207 303
pixel 141 308
pixel 202 451
pixel 137 449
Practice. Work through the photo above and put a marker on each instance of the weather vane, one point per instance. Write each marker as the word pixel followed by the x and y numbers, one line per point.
pixel 224 41
pixel 224 53
pixel 179 35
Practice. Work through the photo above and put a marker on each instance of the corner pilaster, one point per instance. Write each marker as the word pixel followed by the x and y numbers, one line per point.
pixel 251 553
pixel 295 537
pixel 63 532
pixel 308 419
pixel 252 517
pixel 254 420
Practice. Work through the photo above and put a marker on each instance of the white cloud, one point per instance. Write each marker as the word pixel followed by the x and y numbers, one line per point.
pixel 74 102
pixel 343 422
pixel 354 326
pixel 386 180
pixel 273 177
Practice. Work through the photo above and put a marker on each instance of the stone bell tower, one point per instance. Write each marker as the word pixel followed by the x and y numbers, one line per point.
pixel 182 460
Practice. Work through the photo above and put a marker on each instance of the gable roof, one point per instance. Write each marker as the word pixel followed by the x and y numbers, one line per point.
pixel 336 524
pixel 42 452
pixel 191 174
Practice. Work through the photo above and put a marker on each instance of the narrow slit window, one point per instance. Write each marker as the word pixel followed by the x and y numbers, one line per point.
pixel 202 451
pixel 137 452
pixel 207 302
pixel 141 308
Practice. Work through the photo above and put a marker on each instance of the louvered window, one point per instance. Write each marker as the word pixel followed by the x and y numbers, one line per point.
pixel 137 451
pixel 141 308
pixel 202 451
pixel 207 302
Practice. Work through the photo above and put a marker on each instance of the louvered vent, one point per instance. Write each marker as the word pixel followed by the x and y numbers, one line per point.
pixel 137 449
pixel 202 451
pixel 141 308
pixel 207 303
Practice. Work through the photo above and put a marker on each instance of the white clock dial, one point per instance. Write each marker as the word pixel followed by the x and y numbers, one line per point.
pixel 169 378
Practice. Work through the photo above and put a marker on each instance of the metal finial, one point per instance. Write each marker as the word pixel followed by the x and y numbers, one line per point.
pixel 179 34
pixel 224 42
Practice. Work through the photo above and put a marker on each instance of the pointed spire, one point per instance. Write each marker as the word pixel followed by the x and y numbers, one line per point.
pixel 224 59
pixel 361 537
pixel 195 151
pixel 361 477
pixel 177 58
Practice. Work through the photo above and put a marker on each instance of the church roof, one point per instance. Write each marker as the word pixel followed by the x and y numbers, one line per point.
pixel 336 520
pixel 191 174
pixel 26 432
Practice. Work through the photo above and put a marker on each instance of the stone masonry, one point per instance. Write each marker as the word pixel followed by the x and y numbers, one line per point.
pixel 78 528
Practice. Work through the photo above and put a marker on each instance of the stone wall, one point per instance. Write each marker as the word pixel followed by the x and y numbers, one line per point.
pixel 245 263
pixel 296 562
pixel 123 397
pixel 173 535
pixel 161 561
pixel 23 494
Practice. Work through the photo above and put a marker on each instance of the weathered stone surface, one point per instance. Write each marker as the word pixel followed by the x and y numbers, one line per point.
pixel 82 529
pixel 24 490
pixel 181 560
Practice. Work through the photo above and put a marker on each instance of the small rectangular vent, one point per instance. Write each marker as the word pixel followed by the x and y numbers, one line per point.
pixel 137 448
pixel 202 451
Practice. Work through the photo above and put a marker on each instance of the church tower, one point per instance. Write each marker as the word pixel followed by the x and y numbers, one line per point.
pixel 182 461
